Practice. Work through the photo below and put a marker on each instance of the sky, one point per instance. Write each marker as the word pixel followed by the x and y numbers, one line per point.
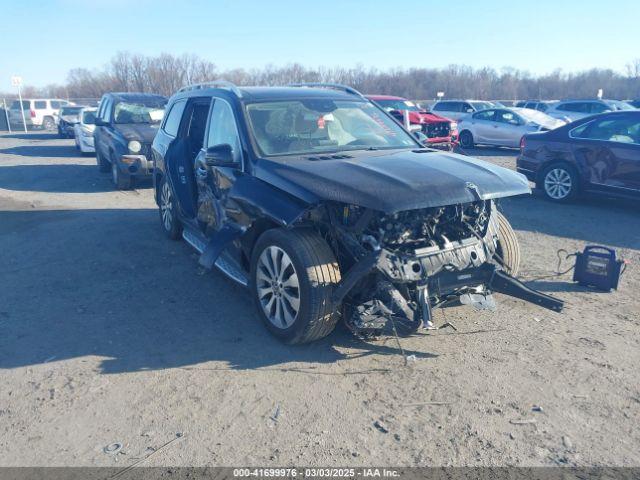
pixel 43 39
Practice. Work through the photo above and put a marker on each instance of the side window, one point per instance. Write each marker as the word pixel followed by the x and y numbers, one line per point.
pixel 440 106
pixel 465 107
pixel 505 116
pixel 598 108
pixel 571 107
pixel 40 104
pixel 172 122
pixel 484 115
pixel 55 104
pixel 622 130
pixel 100 113
pixel 106 114
pixel 223 128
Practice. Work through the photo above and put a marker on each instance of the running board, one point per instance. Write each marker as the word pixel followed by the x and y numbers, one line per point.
pixel 224 263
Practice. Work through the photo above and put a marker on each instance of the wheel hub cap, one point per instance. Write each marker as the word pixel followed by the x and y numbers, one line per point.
pixel 278 287
pixel 557 183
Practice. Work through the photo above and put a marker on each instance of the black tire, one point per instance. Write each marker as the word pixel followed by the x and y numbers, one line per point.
pixel 318 274
pixel 170 223
pixel 553 182
pixel 508 249
pixel 120 181
pixel 103 165
pixel 61 134
pixel 48 123
pixel 466 139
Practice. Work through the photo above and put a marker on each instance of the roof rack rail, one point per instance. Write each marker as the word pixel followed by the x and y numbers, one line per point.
pixel 335 86
pixel 214 84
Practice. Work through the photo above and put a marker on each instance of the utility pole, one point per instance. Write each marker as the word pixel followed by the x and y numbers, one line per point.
pixel 16 81
pixel 6 114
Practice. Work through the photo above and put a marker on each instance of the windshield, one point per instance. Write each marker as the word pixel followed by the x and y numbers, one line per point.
pixel 535 116
pixel 482 105
pixel 70 110
pixel 317 126
pixel 398 105
pixel 89 117
pixel 138 112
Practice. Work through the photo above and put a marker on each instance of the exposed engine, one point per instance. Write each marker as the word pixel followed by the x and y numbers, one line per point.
pixel 431 226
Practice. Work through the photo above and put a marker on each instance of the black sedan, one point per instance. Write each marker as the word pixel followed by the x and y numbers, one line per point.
pixel 598 154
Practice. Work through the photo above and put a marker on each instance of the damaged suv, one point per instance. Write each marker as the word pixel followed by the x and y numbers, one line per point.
pixel 325 207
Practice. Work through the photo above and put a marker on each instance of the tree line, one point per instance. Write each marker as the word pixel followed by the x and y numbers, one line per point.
pixel 166 73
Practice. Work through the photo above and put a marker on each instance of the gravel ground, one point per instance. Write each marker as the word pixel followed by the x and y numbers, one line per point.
pixel 109 333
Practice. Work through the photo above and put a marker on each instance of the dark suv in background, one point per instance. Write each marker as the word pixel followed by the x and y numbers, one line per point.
pixel 126 124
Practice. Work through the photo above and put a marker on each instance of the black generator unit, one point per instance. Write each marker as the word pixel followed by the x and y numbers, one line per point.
pixel 598 267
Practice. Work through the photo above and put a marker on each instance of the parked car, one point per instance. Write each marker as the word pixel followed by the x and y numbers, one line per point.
pixel 503 127
pixel 456 109
pixel 571 110
pixel 539 105
pixel 38 112
pixel 634 103
pixel 83 129
pixel 67 118
pixel 440 132
pixel 598 154
pixel 318 201
pixel 126 124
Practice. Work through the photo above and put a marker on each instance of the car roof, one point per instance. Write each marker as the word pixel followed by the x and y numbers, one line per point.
pixel 384 97
pixel 259 94
pixel 133 96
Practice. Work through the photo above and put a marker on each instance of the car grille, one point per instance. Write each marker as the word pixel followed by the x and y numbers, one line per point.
pixel 434 130
pixel 146 151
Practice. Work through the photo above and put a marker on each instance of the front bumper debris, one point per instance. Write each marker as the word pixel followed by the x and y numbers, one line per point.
pixel 137 165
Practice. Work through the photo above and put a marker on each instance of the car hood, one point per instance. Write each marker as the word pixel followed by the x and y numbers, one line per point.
pixel 391 181
pixel 143 132
pixel 426 117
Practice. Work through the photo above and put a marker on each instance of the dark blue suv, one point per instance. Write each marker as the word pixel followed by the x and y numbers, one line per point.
pixel 126 124
pixel 322 204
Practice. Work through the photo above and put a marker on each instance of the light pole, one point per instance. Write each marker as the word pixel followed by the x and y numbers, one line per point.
pixel 16 81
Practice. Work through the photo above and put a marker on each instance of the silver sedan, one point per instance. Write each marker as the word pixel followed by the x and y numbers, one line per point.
pixel 503 127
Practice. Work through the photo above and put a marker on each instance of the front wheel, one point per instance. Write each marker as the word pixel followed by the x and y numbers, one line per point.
pixel 121 182
pixel 508 248
pixel 293 275
pixel 466 139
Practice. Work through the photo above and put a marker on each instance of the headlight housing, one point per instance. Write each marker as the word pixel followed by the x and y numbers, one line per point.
pixel 135 146
pixel 453 126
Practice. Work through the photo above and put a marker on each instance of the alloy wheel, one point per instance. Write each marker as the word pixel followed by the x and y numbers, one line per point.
pixel 166 206
pixel 278 287
pixel 558 184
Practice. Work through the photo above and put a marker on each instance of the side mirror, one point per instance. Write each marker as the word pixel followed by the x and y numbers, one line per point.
pixel 220 156
pixel 421 137
pixel 469 110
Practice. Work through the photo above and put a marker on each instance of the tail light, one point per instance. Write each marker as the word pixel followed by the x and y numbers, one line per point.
pixel 32 113
pixel 522 144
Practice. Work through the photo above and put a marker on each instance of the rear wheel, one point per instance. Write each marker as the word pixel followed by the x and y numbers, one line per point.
pixel 559 182
pixel 168 213
pixel 48 123
pixel 466 139
pixel 508 249
pixel 293 275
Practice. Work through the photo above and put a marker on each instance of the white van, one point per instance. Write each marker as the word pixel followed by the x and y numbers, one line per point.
pixel 38 112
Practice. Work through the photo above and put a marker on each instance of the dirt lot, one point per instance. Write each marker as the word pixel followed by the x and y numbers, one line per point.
pixel 109 333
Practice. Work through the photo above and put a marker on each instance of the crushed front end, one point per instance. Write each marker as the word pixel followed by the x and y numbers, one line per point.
pixel 398 267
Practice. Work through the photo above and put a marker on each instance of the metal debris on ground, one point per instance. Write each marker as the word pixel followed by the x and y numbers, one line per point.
pixel 411 358
pixel 276 414
pixel 537 408
pixel 422 404
pixel 523 421
pixel 112 448
pixel 381 426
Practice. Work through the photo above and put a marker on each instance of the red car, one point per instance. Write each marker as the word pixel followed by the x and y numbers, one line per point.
pixel 440 132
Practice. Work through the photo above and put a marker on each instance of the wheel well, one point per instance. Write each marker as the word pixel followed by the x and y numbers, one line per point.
pixel 250 238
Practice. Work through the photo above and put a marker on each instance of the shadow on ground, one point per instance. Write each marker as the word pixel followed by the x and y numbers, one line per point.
pixel 32 135
pixel 61 178
pixel 108 283
pixel 594 220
